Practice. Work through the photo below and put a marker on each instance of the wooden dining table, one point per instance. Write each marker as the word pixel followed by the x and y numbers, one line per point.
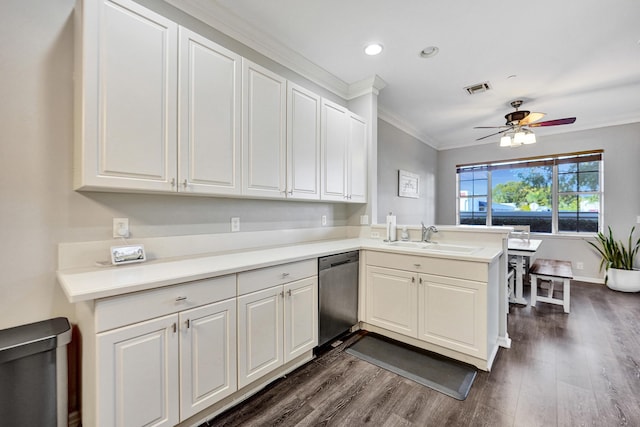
pixel 521 249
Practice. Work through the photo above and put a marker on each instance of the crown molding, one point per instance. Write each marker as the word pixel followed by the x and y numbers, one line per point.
pixel 223 20
pixel 406 128
pixel 373 84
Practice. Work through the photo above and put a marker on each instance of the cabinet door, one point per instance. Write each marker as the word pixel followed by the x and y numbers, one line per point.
pixel 303 143
pixel 264 132
pixel 453 314
pixel 259 334
pixel 210 117
pixel 126 97
pixel 300 317
pixel 391 300
pixel 357 159
pixel 207 356
pixel 334 137
pixel 137 374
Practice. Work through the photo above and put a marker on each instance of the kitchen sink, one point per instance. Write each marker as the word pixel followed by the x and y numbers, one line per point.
pixel 436 247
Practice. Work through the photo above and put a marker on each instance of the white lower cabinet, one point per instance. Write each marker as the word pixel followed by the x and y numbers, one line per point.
pixel 449 312
pixel 208 356
pixel 138 374
pixel 276 324
pixel 161 371
pixel 158 357
pixel 391 300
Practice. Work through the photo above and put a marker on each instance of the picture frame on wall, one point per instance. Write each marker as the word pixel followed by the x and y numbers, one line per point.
pixel 408 184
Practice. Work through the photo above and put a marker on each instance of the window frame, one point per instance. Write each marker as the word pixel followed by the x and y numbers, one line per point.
pixel 552 160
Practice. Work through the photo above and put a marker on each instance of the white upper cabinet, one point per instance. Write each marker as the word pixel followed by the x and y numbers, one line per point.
pixel 357 171
pixel 344 154
pixel 303 143
pixel 209 117
pixel 160 108
pixel 126 97
pixel 264 132
pixel 335 137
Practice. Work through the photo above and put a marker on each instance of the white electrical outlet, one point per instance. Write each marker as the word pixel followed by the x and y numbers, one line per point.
pixel 638 219
pixel 579 266
pixel 324 220
pixel 364 219
pixel 235 224
pixel 120 227
pixel 375 235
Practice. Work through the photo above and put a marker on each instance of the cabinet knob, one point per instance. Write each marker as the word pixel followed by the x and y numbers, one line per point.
pixel 417 265
pixel 173 182
pixel 285 275
pixel 289 292
pixel 413 280
pixel 282 294
pixel 185 183
pixel 182 298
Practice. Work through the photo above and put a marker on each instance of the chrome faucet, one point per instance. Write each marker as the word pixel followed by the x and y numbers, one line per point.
pixel 426 232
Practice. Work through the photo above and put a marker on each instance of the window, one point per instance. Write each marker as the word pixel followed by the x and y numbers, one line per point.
pixel 558 194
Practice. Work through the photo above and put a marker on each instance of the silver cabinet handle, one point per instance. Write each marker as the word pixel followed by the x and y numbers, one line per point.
pixel 417 265
pixel 413 280
pixel 289 292
pixel 178 299
pixel 421 280
pixel 282 294
pixel 188 323
pixel 174 327
pixel 185 183
pixel 173 182
pixel 285 275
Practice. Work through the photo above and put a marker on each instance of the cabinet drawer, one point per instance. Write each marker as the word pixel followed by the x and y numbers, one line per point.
pixel 138 306
pixel 422 264
pixel 263 278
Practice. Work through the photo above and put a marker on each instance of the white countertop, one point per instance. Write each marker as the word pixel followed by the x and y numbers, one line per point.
pixel 100 282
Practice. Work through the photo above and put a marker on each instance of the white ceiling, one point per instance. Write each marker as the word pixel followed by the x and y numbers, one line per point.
pixel 568 57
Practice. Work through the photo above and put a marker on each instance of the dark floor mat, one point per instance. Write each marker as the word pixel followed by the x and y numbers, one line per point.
pixel 442 374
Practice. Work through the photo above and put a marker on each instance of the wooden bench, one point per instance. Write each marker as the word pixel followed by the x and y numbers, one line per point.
pixel 551 270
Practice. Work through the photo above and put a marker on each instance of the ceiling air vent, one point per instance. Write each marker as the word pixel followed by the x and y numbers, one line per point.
pixel 478 88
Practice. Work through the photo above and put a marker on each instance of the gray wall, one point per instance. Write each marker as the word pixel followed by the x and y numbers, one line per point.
pixel 621 145
pixel 38 207
pixel 398 150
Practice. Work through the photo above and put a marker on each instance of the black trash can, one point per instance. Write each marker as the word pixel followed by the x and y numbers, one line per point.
pixel 33 374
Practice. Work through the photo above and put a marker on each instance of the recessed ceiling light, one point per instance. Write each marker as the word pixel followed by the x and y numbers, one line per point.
pixel 429 52
pixel 373 49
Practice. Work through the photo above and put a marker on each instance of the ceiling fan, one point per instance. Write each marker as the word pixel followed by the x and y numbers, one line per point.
pixel 519 122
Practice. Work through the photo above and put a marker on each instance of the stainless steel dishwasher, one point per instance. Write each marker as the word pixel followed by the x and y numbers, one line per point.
pixel 337 295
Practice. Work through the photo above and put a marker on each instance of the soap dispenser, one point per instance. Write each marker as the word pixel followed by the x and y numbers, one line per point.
pixel 405 234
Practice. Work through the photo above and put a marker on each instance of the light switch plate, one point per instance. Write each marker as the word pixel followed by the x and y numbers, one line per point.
pixel 235 224
pixel 127 254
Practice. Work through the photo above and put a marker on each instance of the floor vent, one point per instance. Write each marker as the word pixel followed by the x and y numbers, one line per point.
pixel 478 88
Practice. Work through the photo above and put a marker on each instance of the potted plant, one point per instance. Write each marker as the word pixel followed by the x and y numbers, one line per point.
pixel 617 260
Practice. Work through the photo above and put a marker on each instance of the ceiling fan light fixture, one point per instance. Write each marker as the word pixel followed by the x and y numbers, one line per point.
pixel 373 49
pixel 516 138
pixel 529 138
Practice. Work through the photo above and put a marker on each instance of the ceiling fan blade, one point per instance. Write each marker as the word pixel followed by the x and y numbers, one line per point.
pixel 566 121
pixel 493 134
pixel 492 127
pixel 532 117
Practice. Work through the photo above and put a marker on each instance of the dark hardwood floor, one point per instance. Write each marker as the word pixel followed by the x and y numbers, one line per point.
pixel 578 369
